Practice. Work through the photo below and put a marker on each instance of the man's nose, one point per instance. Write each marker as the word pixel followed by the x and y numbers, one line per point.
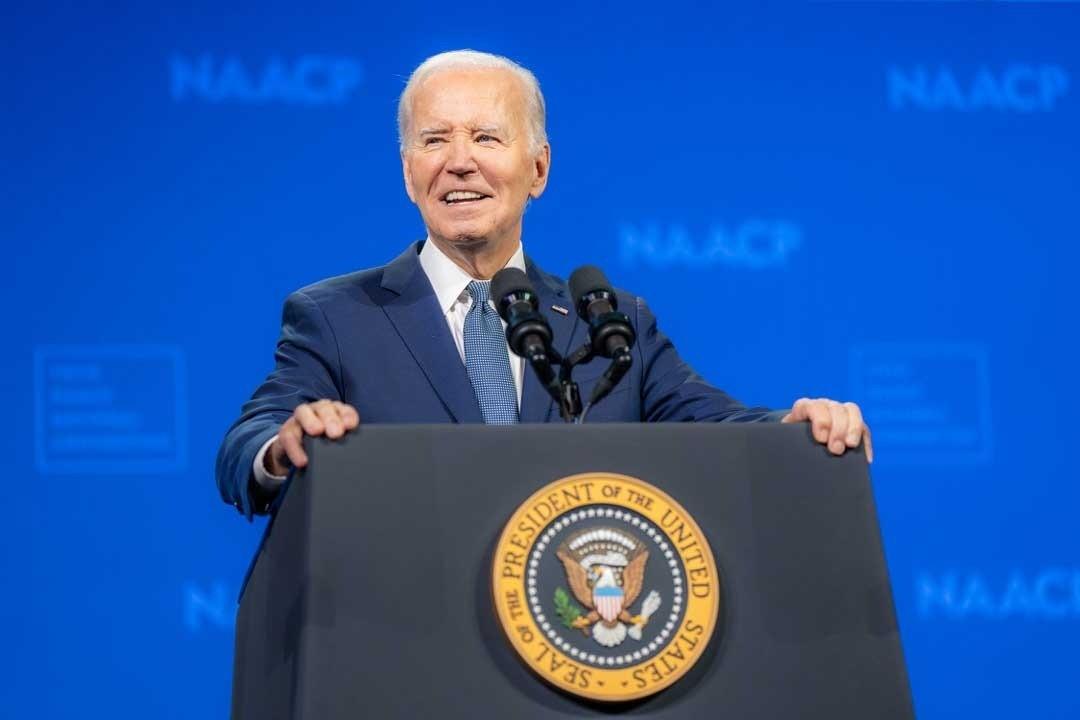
pixel 461 161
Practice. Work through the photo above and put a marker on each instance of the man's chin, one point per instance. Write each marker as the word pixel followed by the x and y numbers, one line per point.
pixel 470 240
pixel 465 238
pixel 473 237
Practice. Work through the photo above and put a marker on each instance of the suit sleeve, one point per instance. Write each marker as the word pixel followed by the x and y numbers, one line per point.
pixel 671 390
pixel 307 368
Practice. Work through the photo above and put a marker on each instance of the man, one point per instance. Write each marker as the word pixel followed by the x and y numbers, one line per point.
pixel 418 340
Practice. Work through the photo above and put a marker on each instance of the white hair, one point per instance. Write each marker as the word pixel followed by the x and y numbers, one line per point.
pixel 465 59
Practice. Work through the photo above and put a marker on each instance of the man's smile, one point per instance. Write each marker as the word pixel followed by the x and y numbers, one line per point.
pixel 459 197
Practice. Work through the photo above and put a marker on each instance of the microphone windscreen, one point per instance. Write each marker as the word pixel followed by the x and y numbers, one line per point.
pixel 587 279
pixel 507 281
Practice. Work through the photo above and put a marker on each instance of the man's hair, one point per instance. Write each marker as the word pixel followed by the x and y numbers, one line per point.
pixel 465 59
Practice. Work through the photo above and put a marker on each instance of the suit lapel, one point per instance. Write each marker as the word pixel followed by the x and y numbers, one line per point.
pixel 415 314
pixel 536 405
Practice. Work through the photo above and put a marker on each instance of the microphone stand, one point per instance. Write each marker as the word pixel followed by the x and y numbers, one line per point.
pixel 570 397
pixel 564 390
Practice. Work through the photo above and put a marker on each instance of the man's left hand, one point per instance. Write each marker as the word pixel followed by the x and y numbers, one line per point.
pixel 838 426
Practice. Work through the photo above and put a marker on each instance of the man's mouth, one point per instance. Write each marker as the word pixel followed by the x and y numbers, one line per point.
pixel 460 197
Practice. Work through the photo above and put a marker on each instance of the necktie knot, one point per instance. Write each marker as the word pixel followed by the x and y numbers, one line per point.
pixel 480 290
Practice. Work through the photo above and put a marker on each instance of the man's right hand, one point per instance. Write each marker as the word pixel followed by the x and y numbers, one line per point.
pixel 322 417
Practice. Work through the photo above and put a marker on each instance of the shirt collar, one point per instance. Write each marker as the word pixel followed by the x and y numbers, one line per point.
pixel 447 279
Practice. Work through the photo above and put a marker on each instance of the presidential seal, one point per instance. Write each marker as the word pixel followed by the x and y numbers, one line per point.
pixel 605 586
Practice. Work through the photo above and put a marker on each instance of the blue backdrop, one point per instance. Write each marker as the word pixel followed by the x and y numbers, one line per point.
pixel 879 199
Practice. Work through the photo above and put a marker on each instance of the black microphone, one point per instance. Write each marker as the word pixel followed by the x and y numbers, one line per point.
pixel 610 331
pixel 527 331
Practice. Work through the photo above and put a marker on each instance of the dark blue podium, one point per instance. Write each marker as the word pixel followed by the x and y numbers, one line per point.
pixel 371 594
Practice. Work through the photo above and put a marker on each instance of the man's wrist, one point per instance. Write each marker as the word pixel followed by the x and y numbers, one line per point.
pixel 261 468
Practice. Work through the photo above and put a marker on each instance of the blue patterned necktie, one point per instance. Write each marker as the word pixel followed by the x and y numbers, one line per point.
pixel 487 361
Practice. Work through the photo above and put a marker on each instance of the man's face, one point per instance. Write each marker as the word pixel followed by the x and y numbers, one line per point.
pixel 467 160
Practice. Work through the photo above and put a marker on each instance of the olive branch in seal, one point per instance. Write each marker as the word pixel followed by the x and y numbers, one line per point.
pixel 567 611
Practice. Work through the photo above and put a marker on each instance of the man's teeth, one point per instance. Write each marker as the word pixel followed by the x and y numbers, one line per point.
pixel 459 195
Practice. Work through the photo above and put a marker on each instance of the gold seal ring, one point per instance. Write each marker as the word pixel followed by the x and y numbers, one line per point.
pixel 605 586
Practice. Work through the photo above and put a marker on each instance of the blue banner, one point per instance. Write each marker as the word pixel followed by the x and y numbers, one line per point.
pixel 879 201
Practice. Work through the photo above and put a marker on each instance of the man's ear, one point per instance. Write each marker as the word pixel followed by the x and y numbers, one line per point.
pixel 406 173
pixel 542 165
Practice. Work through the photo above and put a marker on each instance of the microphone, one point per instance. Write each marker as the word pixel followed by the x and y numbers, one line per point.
pixel 610 331
pixel 527 331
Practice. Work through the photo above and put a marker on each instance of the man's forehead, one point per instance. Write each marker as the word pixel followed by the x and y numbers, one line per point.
pixel 483 90
pixel 474 77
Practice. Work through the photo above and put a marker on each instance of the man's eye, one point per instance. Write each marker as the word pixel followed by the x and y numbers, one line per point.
pixel 433 140
pixel 485 138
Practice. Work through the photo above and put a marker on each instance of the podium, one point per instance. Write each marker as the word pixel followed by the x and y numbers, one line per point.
pixel 371 595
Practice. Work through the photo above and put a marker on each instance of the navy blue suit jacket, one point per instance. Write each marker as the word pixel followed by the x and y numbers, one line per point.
pixel 377 340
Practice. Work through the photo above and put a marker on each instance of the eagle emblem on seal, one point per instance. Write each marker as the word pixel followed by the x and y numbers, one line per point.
pixel 605 568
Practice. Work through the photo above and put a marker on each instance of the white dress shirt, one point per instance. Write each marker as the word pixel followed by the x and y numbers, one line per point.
pixel 450 284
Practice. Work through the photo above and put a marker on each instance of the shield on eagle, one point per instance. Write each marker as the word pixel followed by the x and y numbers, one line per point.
pixel 608 602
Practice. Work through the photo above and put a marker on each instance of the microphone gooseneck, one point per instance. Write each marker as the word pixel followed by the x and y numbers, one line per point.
pixel 610 331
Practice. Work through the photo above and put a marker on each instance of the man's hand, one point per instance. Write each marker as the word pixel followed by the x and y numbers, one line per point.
pixel 837 425
pixel 322 417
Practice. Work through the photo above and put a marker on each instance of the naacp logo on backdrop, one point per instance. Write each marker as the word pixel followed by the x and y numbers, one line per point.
pixel 1040 594
pixel 753 244
pixel 1019 87
pixel 311 80
pixel 605 586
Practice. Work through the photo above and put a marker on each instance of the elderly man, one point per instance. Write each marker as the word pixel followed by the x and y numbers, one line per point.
pixel 418 340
